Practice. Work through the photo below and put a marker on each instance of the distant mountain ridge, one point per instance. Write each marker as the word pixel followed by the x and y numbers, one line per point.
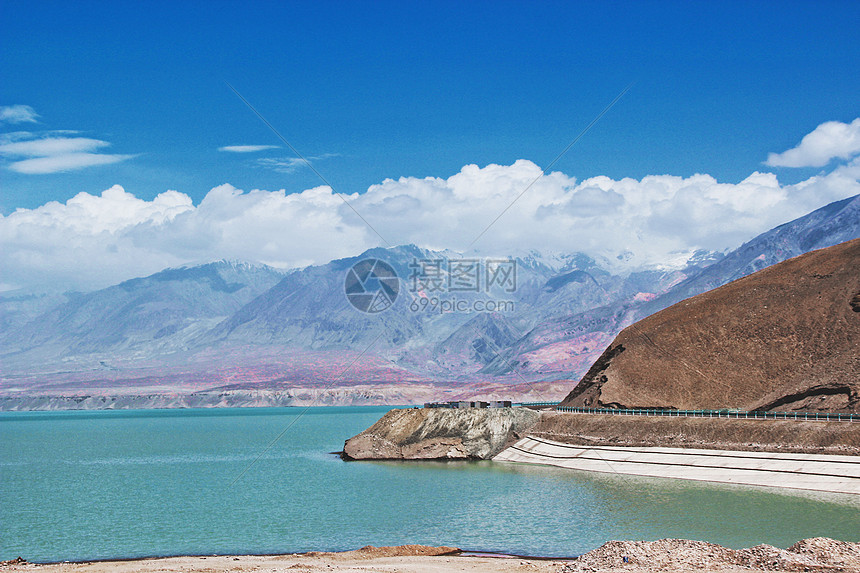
pixel 142 311
pixel 567 336
pixel 830 225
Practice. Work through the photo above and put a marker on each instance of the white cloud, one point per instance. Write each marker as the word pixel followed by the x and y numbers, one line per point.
pixel 289 164
pixel 53 153
pixel 92 241
pixel 246 148
pixel 48 146
pixel 64 162
pixel 18 114
pixel 830 140
pixel 281 164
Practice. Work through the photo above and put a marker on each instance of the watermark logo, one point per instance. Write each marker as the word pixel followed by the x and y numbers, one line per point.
pixel 371 286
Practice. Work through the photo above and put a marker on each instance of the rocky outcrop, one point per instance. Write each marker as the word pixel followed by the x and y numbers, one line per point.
pixel 817 554
pixel 785 338
pixel 446 434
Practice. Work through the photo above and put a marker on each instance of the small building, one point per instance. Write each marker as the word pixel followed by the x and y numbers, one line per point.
pixel 440 404
pixel 462 404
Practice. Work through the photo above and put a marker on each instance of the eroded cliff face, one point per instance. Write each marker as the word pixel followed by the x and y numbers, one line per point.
pixel 433 434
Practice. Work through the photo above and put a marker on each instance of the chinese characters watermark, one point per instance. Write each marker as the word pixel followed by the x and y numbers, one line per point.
pixel 436 285
pixel 462 275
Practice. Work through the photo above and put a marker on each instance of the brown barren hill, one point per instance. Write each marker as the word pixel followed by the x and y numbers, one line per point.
pixel 785 338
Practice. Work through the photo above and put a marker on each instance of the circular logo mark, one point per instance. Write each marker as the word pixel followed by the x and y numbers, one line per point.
pixel 371 285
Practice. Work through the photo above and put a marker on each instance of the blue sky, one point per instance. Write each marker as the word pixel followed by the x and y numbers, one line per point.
pixel 405 89
pixel 419 89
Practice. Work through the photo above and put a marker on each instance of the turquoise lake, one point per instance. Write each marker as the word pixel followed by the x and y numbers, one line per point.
pixel 114 484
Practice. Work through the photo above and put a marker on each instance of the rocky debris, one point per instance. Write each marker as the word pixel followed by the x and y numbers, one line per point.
pixel 16 561
pixel 830 551
pixel 440 434
pixel 651 554
pixel 855 302
pixel 813 555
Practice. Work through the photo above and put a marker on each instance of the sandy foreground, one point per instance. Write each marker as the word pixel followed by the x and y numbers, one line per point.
pixel 672 555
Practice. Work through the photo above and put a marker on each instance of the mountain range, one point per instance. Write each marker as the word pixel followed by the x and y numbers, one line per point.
pixel 230 328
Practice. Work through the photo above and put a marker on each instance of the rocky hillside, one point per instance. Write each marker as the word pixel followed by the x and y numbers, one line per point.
pixel 570 342
pixel 784 338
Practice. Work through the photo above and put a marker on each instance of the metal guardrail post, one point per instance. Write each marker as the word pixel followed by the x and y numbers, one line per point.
pixel 729 414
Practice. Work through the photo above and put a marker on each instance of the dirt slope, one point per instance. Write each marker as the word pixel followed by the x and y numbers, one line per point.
pixel 785 338
pixel 780 436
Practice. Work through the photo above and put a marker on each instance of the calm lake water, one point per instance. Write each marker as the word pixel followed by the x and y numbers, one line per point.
pixel 111 484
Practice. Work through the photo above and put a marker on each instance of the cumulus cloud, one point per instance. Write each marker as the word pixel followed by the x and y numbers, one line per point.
pixel 92 241
pixel 828 141
pixel 33 154
pixel 246 148
pixel 18 114
pixel 657 219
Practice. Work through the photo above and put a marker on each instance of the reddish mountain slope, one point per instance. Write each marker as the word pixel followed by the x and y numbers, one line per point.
pixel 785 338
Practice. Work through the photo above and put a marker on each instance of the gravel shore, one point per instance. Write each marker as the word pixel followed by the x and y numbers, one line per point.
pixel 674 555
pixel 817 555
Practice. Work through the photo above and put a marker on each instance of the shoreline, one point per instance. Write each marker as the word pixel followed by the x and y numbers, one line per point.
pixel 456 552
pixel 821 456
pixel 674 555
pixel 402 558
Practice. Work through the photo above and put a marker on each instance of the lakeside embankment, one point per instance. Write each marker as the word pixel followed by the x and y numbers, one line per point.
pixel 823 456
pixel 672 555
pixel 474 433
pixel 816 472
